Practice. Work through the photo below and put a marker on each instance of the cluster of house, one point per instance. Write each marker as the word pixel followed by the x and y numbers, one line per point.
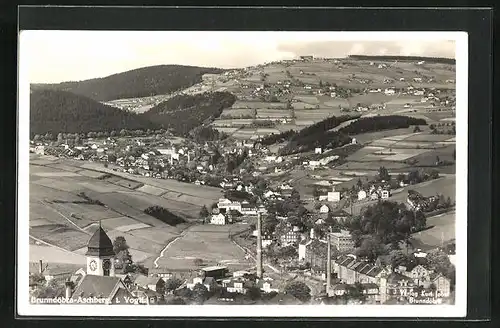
pixel 101 284
pixel 416 201
pixel 222 214
pixel 383 284
pixel 375 192
pixel 240 282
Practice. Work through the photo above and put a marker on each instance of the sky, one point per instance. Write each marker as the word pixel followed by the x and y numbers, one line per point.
pixel 58 56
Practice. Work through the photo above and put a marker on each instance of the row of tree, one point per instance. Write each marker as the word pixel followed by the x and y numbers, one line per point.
pixel 164 215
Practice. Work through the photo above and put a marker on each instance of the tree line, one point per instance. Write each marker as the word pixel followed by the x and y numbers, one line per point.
pixel 60 111
pixel 141 82
pixel 439 60
pixel 164 215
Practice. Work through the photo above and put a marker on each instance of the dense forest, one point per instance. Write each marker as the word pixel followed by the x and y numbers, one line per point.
pixel 277 138
pixel 183 113
pixel 384 223
pixel 59 111
pixel 303 136
pixel 141 82
pixel 319 134
pixel 378 123
pixel 438 60
pixel 164 215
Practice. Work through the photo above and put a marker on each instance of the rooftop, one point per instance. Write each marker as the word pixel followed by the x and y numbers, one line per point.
pixel 96 286
pixel 100 244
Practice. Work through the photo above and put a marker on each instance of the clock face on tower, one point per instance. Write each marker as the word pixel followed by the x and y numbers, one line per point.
pixel 93 265
pixel 106 264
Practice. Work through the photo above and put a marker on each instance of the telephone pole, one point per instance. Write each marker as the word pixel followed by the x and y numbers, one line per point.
pixel 259 245
pixel 328 266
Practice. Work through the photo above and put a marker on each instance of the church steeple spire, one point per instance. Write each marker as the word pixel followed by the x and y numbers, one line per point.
pixel 100 244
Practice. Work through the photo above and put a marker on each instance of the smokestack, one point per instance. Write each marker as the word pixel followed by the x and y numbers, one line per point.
pixel 68 289
pixel 329 266
pixel 259 245
pixel 40 268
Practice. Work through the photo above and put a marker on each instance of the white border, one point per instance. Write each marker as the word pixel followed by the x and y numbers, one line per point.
pixel 24 308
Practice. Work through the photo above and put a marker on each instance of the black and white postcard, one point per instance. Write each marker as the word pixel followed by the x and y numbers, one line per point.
pixel 206 173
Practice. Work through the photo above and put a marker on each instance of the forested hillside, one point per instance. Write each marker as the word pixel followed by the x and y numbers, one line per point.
pixel 60 111
pixel 438 60
pixel 183 113
pixel 141 82
pixel 378 123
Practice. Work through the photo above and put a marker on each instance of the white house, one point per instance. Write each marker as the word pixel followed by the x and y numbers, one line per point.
pixel 208 282
pixel 361 195
pixel 286 186
pixel 389 92
pixel 248 209
pixel 235 285
pixel 40 150
pixel 385 193
pixel 318 150
pixel 324 209
pixel 229 205
pixel 218 219
pixel 267 285
pixel 334 196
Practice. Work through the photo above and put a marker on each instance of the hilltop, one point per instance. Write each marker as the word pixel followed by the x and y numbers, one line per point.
pixel 437 60
pixel 60 111
pixel 141 82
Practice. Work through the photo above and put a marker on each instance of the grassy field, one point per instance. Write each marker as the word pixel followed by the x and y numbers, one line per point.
pixel 49 254
pixel 207 242
pixel 441 230
pixel 61 218
pixel 60 235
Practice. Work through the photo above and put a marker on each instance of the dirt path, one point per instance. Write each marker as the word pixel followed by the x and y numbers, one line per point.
pixel 170 243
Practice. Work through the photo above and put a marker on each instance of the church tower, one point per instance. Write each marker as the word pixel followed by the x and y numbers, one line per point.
pixel 100 254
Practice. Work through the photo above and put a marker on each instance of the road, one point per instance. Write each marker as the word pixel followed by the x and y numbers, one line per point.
pixel 170 243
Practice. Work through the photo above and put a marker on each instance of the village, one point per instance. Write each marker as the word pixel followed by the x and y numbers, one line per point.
pixel 354 224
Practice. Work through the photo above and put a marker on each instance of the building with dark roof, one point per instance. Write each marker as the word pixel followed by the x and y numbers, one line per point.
pixel 156 284
pixel 95 289
pixel 100 254
pixel 351 270
pixel 98 285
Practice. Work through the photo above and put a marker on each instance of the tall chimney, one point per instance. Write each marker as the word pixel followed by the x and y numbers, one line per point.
pixel 68 289
pixel 329 266
pixel 259 245
pixel 40 268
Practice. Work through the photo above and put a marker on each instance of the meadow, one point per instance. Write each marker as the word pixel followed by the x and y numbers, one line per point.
pixel 209 243
pixel 59 217
pixel 441 229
